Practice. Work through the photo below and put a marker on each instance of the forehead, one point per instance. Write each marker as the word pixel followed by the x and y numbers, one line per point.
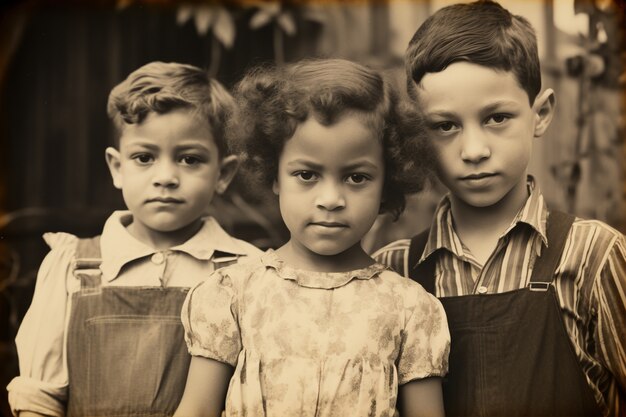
pixel 346 139
pixel 464 85
pixel 180 125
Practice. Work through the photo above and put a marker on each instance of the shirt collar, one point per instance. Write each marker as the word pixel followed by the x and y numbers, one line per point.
pixel 443 236
pixel 118 247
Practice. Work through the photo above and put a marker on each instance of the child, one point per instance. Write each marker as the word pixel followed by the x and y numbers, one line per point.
pixel 103 335
pixel 317 327
pixel 535 304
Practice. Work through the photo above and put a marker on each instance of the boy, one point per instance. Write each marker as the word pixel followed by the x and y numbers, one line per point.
pixel 536 305
pixel 103 333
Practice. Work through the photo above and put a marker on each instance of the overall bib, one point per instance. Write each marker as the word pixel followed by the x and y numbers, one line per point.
pixel 125 345
pixel 510 354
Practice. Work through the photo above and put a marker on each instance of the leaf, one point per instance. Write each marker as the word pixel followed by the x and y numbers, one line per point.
pixel 183 15
pixel 224 28
pixel 260 19
pixel 205 16
pixel 287 23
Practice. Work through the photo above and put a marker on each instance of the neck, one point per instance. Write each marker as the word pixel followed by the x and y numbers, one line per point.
pixel 299 256
pixel 491 219
pixel 162 240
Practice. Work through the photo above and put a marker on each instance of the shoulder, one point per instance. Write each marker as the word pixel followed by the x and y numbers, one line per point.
pixel 592 246
pixel 63 247
pixel 60 240
pixel 594 235
pixel 411 291
pixel 234 277
pixel 394 255
pixel 57 266
pixel 401 245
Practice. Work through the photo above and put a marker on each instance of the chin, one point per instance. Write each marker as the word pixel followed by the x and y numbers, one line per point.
pixel 482 203
pixel 327 250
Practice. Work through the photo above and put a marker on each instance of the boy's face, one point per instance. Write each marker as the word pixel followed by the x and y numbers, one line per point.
pixel 482 125
pixel 330 181
pixel 168 168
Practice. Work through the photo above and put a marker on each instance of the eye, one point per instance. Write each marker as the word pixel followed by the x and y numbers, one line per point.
pixel 444 127
pixel 305 176
pixel 143 158
pixel 357 178
pixel 497 119
pixel 190 160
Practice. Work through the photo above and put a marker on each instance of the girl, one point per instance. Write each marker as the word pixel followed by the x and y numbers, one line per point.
pixel 316 327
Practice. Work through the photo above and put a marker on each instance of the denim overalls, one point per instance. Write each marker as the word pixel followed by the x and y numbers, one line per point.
pixel 510 354
pixel 126 354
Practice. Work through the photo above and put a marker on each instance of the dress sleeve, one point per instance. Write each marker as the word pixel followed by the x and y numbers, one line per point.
pixel 210 319
pixel 42 384
pixel 425 339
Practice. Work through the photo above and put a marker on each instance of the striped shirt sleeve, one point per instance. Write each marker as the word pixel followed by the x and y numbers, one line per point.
pixel 610 291
pixel 395 255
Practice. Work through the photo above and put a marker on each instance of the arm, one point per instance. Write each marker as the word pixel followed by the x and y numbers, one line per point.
pixel 205 391
pixel 42 384
pixel 610 290
pixel 421 397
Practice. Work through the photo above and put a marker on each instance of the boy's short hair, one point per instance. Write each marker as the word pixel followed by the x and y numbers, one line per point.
pixel 161 87
pixel 482 33
pixel 273 101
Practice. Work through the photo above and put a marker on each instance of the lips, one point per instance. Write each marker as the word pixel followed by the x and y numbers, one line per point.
pixel 478 176
pixel 165 200
pixel 329 224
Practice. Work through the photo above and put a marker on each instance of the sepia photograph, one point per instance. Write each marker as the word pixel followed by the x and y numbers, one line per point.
pixel 313 208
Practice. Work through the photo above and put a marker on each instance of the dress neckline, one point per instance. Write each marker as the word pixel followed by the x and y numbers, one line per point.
pixel 315 279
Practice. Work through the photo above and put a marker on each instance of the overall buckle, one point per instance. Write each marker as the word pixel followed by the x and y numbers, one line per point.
pixel 539 286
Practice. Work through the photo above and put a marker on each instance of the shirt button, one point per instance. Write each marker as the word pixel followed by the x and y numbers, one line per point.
pixel 482 290
pixel 158 258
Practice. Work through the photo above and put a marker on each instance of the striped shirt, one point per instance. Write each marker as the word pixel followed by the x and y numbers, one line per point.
pixel 590 283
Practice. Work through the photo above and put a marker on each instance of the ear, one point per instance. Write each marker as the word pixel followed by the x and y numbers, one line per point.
pixel 112 156
pixel 228 169
pixel 544 107
pixel 275 187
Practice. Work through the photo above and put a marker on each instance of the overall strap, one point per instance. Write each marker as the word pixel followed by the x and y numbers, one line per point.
pixel 424 273
pixel 87 262
pixel 559 224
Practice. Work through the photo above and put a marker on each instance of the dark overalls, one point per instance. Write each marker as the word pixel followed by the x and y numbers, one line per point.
pixel 510 354
pixel 126 354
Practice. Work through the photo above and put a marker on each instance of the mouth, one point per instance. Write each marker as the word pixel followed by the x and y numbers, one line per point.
pixel 329 224
pixel 164 200
pixel 478 176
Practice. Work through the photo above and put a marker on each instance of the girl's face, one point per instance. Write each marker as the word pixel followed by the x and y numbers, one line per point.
pixel 330 183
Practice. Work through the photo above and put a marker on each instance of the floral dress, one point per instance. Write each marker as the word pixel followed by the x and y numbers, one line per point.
pixel 307 343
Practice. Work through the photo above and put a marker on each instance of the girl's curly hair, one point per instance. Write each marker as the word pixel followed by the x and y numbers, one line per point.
pixel 272 101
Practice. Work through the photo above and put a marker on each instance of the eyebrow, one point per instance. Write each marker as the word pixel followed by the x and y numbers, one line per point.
pixel 194 147
pixel 141 144
pixel 315 166
pixel 487 109
pixel 305 162
pixel 496 105
pixel 178 148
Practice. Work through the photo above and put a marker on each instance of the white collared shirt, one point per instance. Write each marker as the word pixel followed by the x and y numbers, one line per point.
pixel 126 261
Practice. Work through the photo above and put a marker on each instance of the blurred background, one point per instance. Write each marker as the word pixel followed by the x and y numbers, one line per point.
pixel 60 59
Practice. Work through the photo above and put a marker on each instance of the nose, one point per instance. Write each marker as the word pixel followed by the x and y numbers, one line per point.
pixel 474 146
pixel 331 196
pixel 166 174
